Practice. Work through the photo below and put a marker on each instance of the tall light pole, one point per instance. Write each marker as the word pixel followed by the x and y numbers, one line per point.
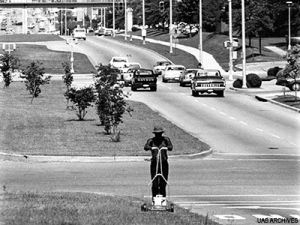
pixel 244 44
pixel 114 21
pixel 230 39
pixel 170 27
pixel 144 31
pixel 125 14
pixel 200 34
pixel 72 43
pixel 289 3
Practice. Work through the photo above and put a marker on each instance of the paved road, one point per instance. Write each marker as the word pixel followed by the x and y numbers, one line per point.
pixel 242 188
pixel 253 166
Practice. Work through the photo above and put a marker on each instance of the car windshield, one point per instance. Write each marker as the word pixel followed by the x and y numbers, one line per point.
pixel 208 73
pixel 119 60
pixel 143 73
pixel 176 68
pixel 163 63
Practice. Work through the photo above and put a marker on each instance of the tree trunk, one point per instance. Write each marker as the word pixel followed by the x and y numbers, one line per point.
pixel 259 43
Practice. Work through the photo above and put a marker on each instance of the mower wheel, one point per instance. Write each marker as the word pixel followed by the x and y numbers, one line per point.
pixel 144 207
pixel 171 207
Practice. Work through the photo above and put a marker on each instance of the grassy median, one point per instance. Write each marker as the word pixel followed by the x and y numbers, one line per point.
pixel 85 209
pixel 46 127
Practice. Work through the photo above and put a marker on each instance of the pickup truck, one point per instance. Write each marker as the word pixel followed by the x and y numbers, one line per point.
pixel 144 78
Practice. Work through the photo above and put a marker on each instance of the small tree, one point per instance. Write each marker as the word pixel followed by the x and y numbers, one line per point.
pixel 82 98
pixel 67 78
pixel 110 103
pixel 9 64
pixel 34 75
pixel 292 69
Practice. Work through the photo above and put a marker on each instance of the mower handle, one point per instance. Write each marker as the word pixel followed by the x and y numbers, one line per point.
pixel 162 148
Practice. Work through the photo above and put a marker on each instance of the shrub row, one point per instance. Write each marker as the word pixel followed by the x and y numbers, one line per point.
pixel 252 81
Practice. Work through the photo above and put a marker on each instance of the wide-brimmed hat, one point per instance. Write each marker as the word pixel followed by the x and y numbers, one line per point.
pixel 158 129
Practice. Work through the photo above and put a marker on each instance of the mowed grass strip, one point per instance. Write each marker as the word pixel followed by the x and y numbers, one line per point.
pixel 46 127
pixel 51 60
pixel 85 209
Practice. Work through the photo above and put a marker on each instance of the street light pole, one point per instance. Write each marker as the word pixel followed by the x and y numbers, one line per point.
pixel 125 15
pixel 230 39
pixel 200 34
pixel 72 44
pixel 289 3
pixel 144 31
pixel 114 26
pixel 170 27
pixel 244 44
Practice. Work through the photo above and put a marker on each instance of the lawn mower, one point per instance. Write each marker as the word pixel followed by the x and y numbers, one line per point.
pixel 159 203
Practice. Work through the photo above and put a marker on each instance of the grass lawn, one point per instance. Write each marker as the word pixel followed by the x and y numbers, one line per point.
pixel 52 60
pixel 85 209
pixel 213 44
pixel 289 100
pixel 45 127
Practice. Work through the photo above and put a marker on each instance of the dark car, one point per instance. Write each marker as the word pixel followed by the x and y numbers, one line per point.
pixel 292 83
pixel 208 81
pixel 144 78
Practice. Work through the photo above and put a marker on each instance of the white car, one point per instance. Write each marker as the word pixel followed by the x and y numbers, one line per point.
pixel 160 66
pixel 79 33
pixel 172 72
pixel 118 62
pixel 128 72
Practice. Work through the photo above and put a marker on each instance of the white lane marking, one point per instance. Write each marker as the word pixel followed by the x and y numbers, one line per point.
pixel 293 143
pixel 169 88
pixel 195 100
pixel 259 129
pixel 213 108
pixel 189 96
pixel 245 195
pixel 182 93
pixel 275 136
pixel 232 118
pixel 223 113
pixel 249 154
pixel 204 104
pixel 243 123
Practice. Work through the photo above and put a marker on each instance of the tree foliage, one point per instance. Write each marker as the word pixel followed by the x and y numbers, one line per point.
pixel 292 69
pixel 82 99
pixel 67 78
pixel 34 78
pixel 9 64
pixel 111 104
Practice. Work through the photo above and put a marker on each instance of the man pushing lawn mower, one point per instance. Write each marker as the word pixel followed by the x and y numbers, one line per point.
pixel 159 168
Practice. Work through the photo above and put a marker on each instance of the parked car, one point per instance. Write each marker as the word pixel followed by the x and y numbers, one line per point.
pixel 79 33
pixel 208 81
pixel 187 76
pixel 172 72
pixel 118 62
pixel 144 78
pixel 103 32
pixel 291 83
pixel 10 31
pixel 160 66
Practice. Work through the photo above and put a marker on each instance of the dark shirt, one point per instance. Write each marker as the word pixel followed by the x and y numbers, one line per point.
pixel 159 142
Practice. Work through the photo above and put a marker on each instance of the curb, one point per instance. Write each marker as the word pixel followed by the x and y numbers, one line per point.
pixel 260 98
pixel 91 159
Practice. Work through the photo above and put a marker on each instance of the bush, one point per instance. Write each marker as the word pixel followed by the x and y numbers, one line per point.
pixel 273 71
pixel 253 80
pixel 238 83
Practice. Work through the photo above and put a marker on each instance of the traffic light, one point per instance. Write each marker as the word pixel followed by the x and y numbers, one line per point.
pixel 121 6
pixel 161 6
